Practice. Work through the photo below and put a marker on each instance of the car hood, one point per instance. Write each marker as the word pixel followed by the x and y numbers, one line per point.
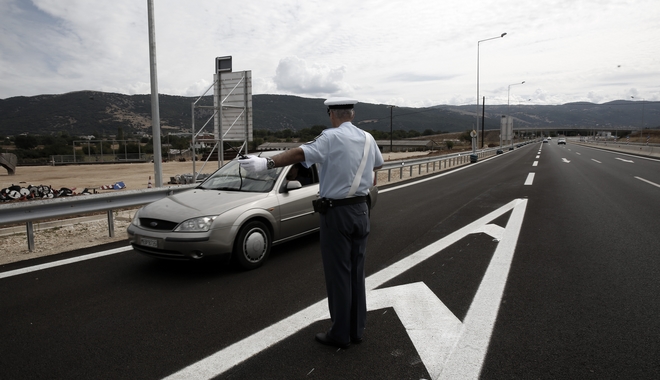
pixel 198 202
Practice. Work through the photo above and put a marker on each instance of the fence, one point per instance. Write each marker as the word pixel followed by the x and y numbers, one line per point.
pixel 407 169
pixel 65 159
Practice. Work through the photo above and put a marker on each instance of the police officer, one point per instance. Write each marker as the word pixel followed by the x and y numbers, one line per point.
pixel 346 158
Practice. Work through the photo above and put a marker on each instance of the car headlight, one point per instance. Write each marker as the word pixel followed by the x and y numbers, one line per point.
pixel 200 224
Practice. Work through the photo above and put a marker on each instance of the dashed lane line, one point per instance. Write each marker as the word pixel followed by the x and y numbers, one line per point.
pixel 530 179
pixel 624 160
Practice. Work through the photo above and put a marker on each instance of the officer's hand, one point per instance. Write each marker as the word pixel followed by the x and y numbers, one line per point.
pixel 253 163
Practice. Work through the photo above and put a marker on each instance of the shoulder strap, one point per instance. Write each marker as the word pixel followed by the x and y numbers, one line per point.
pixel 358 175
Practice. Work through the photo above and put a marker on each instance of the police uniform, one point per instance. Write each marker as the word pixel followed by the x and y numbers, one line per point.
pixel 338 153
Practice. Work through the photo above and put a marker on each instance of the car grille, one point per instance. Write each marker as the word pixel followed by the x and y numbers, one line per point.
pixel 157 224
pixel 160 253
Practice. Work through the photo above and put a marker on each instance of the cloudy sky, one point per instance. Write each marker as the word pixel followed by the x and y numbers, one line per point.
pixel 401 52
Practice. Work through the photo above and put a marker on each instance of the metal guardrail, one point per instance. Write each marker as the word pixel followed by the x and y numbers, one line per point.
pixel 37 210
pixel 442 162
pixel 32 211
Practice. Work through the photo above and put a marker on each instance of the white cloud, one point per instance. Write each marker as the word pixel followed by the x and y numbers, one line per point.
pixel 294 75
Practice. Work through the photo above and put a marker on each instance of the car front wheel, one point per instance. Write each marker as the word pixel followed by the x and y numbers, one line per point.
pixel 252 245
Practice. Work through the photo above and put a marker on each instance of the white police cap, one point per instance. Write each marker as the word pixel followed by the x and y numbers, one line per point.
pixel 336 103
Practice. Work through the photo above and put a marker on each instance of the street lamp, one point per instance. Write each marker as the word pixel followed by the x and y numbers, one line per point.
pixel 391 118
pixel 478 42
pixel 508 111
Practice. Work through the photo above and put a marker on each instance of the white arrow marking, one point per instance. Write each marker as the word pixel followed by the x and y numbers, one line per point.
pixel 446 346
pixel 431 326
pixel 565 160
pixel 621 159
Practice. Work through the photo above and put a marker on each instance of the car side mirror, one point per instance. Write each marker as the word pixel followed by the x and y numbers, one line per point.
pixel 292 185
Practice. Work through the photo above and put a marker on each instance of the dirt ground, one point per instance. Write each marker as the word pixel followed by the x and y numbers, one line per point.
pixel 75 235
pixel 134 176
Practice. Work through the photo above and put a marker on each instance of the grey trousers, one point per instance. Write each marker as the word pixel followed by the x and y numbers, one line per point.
pixel 344 232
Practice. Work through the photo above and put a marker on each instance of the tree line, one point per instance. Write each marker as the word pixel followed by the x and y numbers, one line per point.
pixel 42 147
pixel 307 134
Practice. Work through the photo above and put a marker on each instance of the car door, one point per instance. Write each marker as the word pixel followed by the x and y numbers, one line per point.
pixel 296 213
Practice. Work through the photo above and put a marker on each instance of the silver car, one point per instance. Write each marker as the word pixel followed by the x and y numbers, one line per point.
pixel 233 214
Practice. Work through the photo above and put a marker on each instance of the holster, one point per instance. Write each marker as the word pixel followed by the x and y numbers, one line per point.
pixel 321 205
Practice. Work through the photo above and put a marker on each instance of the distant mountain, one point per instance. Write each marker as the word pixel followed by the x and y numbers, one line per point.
pixel 100 113
pixel 618 114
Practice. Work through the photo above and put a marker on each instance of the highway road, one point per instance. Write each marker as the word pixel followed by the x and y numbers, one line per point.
pixel 541 263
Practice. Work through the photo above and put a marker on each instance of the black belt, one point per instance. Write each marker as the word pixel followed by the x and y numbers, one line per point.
pixel 346 201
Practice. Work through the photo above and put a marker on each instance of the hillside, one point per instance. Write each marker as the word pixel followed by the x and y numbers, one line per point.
pixel 99 113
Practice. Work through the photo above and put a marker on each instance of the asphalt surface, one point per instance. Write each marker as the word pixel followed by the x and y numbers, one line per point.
pixel 579 297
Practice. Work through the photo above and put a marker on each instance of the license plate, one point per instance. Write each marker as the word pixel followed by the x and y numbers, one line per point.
pixel 153 243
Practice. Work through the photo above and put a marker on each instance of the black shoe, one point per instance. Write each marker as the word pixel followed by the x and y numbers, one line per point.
pixel 356 340
pixel 323 338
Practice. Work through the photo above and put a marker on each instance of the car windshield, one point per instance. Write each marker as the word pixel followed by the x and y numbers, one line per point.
pixel 233 177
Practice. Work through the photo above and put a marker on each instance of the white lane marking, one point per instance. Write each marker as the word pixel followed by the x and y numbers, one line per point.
pixel 469 353
pixel 64 262
pixel 647 181
pixel 565 160
pixel 596 161
pixel 578 153
pixel 536 163
pixel 530 179
pixel 459 349
pixel 537 157
pixel 621 159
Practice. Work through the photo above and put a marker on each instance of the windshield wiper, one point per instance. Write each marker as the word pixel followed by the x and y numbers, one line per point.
pixel 225 188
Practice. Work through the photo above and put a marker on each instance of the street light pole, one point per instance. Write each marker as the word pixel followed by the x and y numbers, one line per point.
pixel 508 110
pixel 391 118
pixel 155 109
pixel 478 42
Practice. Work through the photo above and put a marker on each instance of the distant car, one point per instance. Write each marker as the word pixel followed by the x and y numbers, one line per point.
pixel 545 141
pixel 561 141
pixel 233 214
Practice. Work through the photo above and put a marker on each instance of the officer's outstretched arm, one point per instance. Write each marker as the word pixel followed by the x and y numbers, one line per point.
pixel 291 156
